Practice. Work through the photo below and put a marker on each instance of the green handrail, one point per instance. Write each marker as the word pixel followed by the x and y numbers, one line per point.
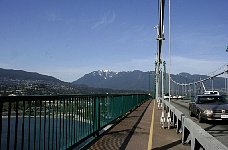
pixel 60 122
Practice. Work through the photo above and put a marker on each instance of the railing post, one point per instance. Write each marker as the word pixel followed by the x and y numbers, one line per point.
pixel 16 127
pixel 122 106
pixel 8 129
pixel 96 125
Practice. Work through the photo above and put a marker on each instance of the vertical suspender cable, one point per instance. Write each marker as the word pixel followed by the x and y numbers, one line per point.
pixel 227 79
pixel 169 51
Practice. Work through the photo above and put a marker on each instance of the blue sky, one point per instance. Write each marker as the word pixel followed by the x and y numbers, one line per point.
pixel 68 38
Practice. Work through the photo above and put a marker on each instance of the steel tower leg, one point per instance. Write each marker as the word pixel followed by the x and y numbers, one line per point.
pixel 157 80
pixel 162 81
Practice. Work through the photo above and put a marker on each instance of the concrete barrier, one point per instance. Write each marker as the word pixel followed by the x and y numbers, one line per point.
pixel 191 132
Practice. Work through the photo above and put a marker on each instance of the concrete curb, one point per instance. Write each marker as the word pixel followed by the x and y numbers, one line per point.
pixel 191 132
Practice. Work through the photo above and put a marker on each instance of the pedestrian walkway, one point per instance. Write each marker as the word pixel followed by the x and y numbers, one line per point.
pixel 140 130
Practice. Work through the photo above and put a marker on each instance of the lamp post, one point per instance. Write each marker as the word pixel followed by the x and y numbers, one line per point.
pixel 150 75
pixel 226 78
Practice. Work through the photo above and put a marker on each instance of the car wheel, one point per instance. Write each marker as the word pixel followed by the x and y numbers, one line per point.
pixel 190 113
pixel 200 118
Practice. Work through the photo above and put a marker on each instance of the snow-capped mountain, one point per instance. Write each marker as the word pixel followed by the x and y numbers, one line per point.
pixel 106 74
pixel 131 80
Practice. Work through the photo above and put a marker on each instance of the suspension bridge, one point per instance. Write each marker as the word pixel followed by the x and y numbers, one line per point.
pixel 116 121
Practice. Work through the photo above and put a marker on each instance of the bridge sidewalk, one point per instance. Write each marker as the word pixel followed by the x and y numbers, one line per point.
pixel 133 132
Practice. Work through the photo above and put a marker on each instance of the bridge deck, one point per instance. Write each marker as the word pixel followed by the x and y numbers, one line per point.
pixel 140 130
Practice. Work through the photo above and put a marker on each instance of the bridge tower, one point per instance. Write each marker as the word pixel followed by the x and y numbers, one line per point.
pixel 160 38
pixel 157 79
pixel 164 83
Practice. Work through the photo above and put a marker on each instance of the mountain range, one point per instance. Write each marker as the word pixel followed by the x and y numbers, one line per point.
pixel 19 82
pixel 139 80
pixel 101 80
pixel 10 74
pixel 133 80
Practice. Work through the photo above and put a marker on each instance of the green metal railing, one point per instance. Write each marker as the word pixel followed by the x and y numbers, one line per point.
pixel 59 122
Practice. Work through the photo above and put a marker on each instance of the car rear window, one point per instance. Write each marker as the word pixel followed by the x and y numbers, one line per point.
pixel 211 99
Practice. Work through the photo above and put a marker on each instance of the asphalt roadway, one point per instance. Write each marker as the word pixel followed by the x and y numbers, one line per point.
pixel 217 129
